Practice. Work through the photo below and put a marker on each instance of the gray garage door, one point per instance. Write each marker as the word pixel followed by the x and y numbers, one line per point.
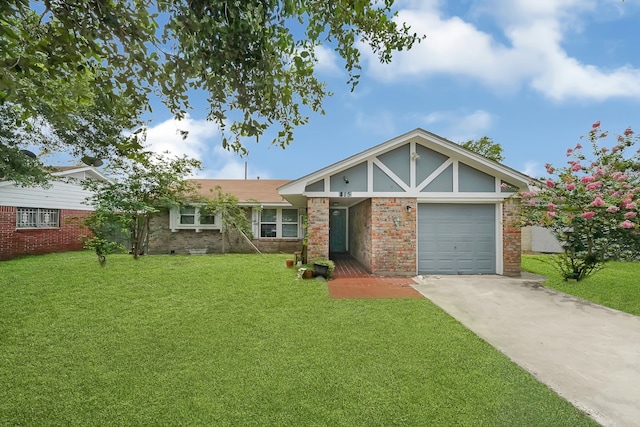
pixel 456 239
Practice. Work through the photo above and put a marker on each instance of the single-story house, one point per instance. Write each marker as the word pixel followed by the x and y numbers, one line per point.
pixel 38 220
pixel 416 204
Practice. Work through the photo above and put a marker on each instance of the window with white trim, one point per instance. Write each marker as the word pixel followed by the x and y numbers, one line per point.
pixel 192 218
pixel 37 218
pixel 279 223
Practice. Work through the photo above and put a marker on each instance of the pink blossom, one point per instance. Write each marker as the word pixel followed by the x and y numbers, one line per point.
pixel 586 179
pixel 576 167
pixel 615 148
pixel 596 125
pixel 551 214
pixel 630 214
pixel 626 224
pixel 578 146
pixel 569 151
pixel 628 132
pixel 619 176
pixel 549 168
pixel 550 183
pixel 597 202
pixel 613 209
pixel 532 202
pixel 604 149
pixel 503 186
pixel 570 186
pixel 588 215
pixel 593 186
pixel 630 205
pixel 551 207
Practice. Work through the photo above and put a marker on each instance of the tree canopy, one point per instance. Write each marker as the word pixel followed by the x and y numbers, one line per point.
pixel 485 147
pixel 80 73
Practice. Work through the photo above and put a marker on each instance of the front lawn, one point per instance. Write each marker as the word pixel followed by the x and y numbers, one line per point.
pixel 616 286
pixel 235 340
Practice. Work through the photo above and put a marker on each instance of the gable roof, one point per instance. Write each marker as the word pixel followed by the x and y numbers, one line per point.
pixel 76 172
pixel 248 191
pixel 294 189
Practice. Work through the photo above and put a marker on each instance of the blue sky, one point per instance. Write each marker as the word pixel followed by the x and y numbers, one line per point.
pixel 533 75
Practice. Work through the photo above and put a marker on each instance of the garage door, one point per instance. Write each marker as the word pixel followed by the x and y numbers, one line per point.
pixel 456 239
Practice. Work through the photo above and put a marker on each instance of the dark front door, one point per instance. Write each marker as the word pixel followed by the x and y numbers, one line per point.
pixel 337 230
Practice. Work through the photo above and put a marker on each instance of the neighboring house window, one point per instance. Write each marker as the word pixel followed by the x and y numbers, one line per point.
pixel 192 217
pixel 281 223
pixel 37 218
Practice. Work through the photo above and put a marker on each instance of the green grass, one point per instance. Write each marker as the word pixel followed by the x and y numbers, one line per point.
pixel 616 286
pixel 235 340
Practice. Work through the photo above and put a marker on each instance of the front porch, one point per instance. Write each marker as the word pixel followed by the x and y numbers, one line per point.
pixel 352 281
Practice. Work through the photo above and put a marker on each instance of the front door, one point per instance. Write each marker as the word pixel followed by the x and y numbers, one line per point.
pixel 338 230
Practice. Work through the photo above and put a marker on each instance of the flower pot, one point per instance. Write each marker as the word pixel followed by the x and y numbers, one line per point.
pixel 308 274
pixel 289 263
pixel 321 269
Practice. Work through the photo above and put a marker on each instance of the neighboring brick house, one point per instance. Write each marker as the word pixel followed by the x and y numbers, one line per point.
pixel 417 204
pixel 38 220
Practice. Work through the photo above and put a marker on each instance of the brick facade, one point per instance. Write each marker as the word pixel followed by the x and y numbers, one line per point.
pixel 163 241
pixel 511 238
pixel 318 228
pixel 393 235
pixel 19 242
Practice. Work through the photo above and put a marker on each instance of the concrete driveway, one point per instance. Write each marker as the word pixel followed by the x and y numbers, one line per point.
pixel 587 353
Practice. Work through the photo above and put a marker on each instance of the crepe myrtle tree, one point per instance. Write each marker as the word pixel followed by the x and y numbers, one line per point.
pixel 137 191
pixel 590 204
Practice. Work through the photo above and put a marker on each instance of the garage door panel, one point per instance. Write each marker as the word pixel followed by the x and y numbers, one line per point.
pixel 456 239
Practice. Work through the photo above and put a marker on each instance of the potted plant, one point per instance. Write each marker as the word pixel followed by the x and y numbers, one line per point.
pixel 324 268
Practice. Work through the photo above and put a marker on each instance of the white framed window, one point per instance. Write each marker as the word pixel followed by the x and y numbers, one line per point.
pixel 37 218
pixel 279 223
pixel 192 218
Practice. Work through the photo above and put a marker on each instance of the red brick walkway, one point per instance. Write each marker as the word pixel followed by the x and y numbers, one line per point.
pixel 351 280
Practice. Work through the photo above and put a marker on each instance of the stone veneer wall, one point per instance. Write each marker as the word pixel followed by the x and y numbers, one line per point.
pixel 163 241
pixel 35 241
pixel 393 236
pixel 360 233
pixel 318 228
pixel 511 238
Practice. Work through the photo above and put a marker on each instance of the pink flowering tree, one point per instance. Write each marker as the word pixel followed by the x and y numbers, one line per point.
pixel 590 204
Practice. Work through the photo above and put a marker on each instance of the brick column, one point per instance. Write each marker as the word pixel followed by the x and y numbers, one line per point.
pixel 318 228
pixel 393 235
pixel 511 238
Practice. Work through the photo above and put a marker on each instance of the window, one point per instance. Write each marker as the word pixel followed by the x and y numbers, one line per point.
pixel 192 217
pixel 281 223
pixel 37 218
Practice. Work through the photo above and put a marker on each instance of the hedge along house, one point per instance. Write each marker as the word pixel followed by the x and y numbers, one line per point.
pixel 276 224
pixel 417 204
pixel 38 220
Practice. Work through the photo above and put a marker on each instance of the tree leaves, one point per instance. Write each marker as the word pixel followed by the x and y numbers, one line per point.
pixel 67 61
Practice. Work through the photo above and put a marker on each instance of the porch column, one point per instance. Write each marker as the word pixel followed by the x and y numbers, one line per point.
pixel 511 238
pixel 318 228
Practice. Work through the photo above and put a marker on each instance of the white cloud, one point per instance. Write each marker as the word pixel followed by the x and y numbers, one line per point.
pixel 327 60
pixel 223 164
pixel 531 53
pixel 459 127
pixel 166 136
pixel 202 143
pixel 532 169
